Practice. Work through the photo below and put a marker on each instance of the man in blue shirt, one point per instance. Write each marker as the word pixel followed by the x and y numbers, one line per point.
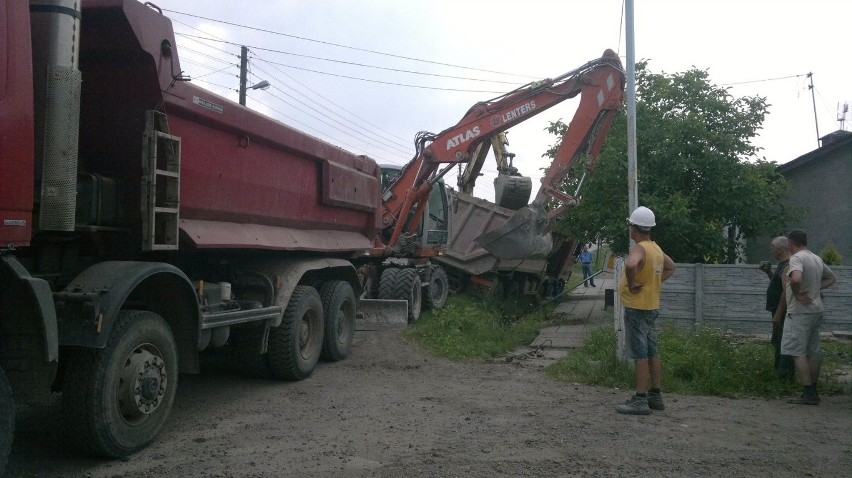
pixel 585 258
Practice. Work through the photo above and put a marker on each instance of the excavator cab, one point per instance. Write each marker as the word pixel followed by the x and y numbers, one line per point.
pixel 434 228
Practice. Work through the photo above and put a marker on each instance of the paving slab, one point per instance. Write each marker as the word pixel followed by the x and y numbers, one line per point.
pixel 585 308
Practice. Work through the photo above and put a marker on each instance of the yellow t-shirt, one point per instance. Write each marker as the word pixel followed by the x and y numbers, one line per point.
pixel 651 276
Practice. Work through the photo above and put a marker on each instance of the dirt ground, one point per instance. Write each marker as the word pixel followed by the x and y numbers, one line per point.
pixel 392 410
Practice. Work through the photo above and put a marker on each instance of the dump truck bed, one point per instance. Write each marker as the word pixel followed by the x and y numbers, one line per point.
pixel 246 180
pixel 472 218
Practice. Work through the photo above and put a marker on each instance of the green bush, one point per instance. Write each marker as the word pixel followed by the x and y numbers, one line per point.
pixel 831 256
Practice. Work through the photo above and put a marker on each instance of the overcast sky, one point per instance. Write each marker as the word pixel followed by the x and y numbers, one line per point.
pixel 757 47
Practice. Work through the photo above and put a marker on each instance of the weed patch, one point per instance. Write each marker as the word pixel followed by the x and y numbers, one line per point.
pixel 702 363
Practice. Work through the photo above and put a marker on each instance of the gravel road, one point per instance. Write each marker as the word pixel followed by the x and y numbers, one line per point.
pixel 392 410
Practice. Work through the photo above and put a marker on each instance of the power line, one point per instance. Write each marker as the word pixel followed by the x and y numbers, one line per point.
pixel 202 65
pixel 317 118
pixel 206 55
pixel 764 80
pixel 321 133
pixel 195 39
pixel 348 47
pixel 229 88
pixel 404 143
pixel 363 65
pixel 370 80
pixel 387 82
pixel 375 136
pixel 321 120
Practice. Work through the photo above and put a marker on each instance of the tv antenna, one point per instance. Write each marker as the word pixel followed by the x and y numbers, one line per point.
pixel 842 111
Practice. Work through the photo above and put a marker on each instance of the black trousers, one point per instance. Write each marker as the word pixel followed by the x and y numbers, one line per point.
pixel 783 363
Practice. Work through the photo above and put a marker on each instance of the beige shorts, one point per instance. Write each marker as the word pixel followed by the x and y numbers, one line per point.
pixel 801 334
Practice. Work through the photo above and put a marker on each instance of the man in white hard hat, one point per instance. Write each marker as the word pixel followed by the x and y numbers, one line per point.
pixel 647 267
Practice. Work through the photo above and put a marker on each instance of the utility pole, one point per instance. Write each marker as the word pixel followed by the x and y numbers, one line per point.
pixel 813 99
pixel 243 73
pixel 632 169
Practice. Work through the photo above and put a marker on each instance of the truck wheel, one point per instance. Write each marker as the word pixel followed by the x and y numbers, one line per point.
pixel 7 420
pixel 295 345
pixel 116 400
pixel 402 284
pixel 338 303
pixel 438 288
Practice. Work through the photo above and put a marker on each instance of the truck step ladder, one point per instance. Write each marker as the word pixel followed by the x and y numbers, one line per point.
pixel 160 185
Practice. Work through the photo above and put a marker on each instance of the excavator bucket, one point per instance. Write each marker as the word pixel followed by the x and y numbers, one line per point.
pixel 375 314
pixel 526 235
pixel 512 192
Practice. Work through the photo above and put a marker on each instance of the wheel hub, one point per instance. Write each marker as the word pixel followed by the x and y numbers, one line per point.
pixel 304 333
pixel 143 384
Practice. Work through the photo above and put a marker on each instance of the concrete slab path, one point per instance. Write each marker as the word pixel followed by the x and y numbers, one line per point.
pixel 585 309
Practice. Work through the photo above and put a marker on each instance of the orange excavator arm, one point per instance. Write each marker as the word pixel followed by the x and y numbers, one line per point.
pixel 600 84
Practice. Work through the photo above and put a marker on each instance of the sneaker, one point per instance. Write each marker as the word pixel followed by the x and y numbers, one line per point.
pixel 806 400
pixel 634 405
pixel 655 401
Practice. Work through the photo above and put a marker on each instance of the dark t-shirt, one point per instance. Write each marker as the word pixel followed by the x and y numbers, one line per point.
pixel 773 292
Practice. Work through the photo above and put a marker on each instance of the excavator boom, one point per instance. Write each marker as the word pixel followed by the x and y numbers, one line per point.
pixel 600 85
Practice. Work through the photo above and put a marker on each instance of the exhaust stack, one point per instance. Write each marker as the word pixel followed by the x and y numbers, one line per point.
pixel 55 26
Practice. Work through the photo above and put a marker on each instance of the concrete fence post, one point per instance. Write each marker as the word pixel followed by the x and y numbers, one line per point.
pixel 699 297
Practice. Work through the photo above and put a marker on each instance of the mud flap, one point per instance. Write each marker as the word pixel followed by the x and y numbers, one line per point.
pixel 375 314
pixel 526 235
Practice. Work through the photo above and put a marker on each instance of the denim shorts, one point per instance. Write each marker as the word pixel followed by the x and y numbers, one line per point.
pixel 640 337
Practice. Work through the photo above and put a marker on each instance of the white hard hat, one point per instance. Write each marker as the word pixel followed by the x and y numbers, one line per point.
pixel 642 217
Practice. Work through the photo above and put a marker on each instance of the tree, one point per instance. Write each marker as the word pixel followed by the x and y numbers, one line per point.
pixel 697 169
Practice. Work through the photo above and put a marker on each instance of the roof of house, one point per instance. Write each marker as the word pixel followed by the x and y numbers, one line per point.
pixel 831 142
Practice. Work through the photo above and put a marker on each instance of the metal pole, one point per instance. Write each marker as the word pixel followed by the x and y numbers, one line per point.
pixel 243 69
pixel 813 99
pixel 632 172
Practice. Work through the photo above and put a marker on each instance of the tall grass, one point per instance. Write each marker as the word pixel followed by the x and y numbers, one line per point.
pixel 702 363
pixel 479 327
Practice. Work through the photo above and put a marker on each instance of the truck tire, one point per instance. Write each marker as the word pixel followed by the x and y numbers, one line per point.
pixel 116 400
pixel 402 284
pixel 435 294
pixel 7 420
pixel 295 345
pixel 338 305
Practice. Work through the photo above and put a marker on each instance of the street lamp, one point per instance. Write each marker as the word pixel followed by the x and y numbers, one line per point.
pixel 260 86
pixel 243 74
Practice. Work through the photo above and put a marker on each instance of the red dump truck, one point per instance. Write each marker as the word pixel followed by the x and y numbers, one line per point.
pixel 145 219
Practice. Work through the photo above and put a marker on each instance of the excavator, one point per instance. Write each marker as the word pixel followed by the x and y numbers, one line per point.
pixel 600 86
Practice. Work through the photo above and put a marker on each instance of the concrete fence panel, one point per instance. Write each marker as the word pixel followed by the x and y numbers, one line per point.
pixel 732 297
